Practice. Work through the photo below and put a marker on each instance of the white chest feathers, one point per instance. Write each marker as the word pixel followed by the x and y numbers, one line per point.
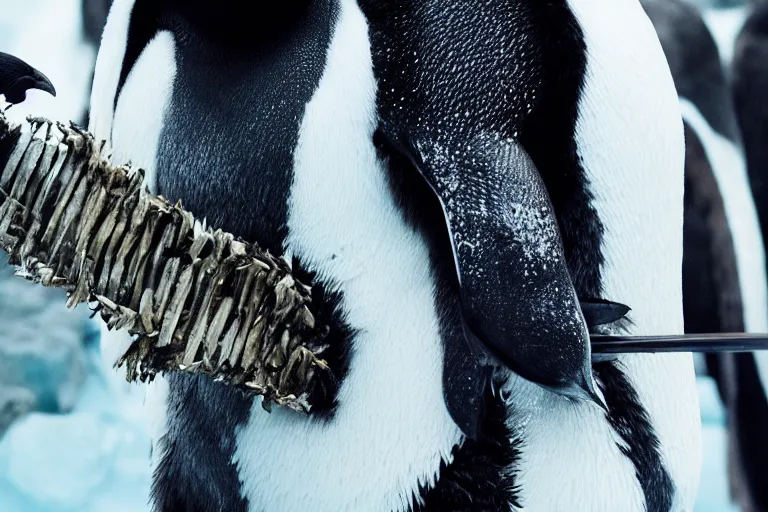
pixel 389 434
pixel 630 140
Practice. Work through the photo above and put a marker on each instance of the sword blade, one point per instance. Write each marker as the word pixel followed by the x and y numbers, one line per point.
pixel 709 342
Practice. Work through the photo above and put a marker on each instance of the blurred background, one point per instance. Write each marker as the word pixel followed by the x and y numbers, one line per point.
pixel 72 438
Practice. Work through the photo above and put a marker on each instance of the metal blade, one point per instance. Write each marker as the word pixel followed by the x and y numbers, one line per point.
pixel 708 342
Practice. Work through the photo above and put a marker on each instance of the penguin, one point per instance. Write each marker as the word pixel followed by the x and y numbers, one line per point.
pixel 464 190
pixel 747 76
pixel 724 277
pixel 724 260
pixel 17 77
pixel 748 373
pixel 695 62
pixel 93 16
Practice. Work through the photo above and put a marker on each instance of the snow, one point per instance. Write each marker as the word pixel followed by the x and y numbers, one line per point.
pixel 46 366
pixel 90 460
pixel 96 457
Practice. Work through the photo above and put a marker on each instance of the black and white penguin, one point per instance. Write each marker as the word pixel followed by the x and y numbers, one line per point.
pixel 748 374
pixel 392 149
pixel 724 277
pixel 93 17
pixel 748 76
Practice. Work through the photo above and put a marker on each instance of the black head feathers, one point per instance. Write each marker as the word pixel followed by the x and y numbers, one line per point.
pixel 17 77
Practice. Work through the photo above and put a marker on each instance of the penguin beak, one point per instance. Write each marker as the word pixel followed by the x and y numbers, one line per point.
pixel 43 83
pixel 586 391
pixel 16 77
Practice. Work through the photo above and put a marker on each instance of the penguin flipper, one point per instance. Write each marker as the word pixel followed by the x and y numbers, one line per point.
pixel 517 298
pixel 17 77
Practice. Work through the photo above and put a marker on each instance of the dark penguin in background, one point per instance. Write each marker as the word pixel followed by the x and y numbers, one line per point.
pixel 724 289
pixel 749 76
pixel 455 179
pixel 695 63
pixel 93 17
pixel 17 77
pixel 724 285
pixel 748 374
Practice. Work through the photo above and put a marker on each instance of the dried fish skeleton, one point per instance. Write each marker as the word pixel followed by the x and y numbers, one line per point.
pixel 194 299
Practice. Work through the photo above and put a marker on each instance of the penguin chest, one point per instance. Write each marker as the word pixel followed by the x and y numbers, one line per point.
pixel 391 428
pixel 630 140
pixel 275 144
